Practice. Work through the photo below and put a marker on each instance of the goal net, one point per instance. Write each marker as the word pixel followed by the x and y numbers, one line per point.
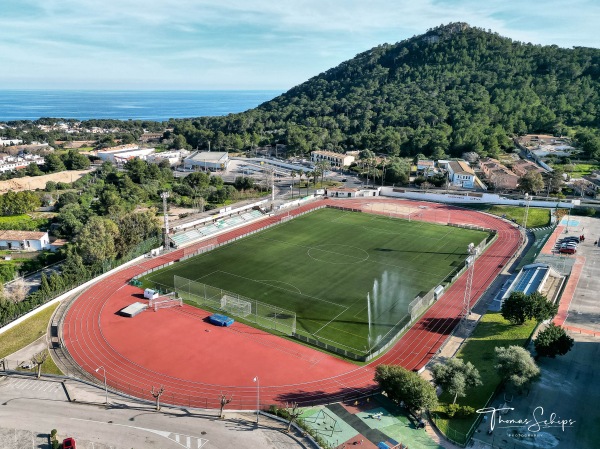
pixel 212 298
pixel 164 302
pixel 236 306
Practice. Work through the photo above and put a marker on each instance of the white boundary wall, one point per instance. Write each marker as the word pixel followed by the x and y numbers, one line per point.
pixel 71 292
pixel 468 198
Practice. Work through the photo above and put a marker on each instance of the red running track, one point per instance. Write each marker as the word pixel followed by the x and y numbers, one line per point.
pixel 196 362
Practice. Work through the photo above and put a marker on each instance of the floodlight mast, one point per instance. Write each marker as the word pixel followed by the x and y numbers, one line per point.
pixel 472 251
pixel 166 244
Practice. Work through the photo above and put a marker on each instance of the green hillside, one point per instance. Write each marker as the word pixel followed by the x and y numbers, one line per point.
pixel 456 88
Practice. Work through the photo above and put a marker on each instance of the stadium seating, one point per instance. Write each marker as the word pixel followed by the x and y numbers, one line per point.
pixel 192 235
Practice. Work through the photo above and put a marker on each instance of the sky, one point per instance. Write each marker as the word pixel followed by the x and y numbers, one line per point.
pixel 243 44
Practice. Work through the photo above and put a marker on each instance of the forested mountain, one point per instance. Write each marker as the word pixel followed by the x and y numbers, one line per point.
pixel 456 88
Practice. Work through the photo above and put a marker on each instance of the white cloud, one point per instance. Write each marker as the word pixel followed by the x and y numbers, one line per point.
pixel 211 43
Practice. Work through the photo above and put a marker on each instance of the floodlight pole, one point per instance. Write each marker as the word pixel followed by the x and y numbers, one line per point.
pixel 527 201
pixel 472 251
pixel 164 196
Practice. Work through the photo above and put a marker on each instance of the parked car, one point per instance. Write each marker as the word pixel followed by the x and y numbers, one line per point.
pixel 69 443
pixel 568 250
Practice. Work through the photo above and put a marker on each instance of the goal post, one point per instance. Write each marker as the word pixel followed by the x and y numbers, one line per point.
pixel 236 306
pixel 216 299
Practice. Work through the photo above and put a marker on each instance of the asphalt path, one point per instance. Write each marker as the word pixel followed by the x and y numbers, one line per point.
pixel 30 409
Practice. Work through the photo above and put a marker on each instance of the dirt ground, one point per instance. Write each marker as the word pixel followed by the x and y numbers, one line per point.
pixel 39 182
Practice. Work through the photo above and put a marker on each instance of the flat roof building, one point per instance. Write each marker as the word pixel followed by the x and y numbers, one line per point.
pixel 207 161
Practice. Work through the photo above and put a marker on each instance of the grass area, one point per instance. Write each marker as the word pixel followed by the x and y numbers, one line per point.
pixel 536 218
pixel 580 170
pixel 492 331
pixel 22 223
pixel 349 277
pixel 25 333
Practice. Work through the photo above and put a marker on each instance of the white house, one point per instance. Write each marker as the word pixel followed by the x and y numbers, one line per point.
pixel 207 161
pixel 24 240
pixel 459 173
pixel 7 142
pixel 9 163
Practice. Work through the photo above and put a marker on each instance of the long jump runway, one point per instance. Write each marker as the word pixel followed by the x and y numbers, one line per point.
pixel 196 362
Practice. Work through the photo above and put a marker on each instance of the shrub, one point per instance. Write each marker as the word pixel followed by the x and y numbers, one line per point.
pixel 452 409
pixel 465 411
pixel 459 411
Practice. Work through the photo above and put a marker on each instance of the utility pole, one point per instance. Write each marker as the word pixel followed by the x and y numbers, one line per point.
pixel 166 244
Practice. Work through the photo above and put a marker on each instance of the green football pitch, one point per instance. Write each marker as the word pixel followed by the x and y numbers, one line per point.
pixel 348 276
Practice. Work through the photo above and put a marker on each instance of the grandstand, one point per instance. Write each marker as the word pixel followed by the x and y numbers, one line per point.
pixel 193 235
pixel 536 277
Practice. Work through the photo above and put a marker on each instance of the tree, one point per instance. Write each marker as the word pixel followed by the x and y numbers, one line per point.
pixel 293 174
pixel 38 360
pixel 403 385
pixel 96 241
pixel 531 182
pixel 553 341
pixel 293 412
pixel 455 376
pixel 555 180
pixel 134 228
pixel 516 366
pixel 33 170
pixel 156 395
pixel 45 286
pixel 53 163
pixel 519 307
pixel 514 308
pixel 17 290
pixel 223 402
pixel 540 308
pixel 74 160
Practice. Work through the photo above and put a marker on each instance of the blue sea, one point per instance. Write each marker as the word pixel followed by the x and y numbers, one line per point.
pixel 125 105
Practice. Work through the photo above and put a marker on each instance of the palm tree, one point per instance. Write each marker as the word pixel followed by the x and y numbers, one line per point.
pixel 323 167
pixel 293 175
pixel 300 175
pixel 309 174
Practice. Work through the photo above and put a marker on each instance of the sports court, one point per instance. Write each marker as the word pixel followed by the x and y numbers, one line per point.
pixel 347 277
pixel 196 361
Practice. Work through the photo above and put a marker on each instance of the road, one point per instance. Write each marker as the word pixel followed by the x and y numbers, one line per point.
pixel 30 409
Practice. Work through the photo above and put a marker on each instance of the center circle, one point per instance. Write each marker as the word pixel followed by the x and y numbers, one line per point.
pixel 338 254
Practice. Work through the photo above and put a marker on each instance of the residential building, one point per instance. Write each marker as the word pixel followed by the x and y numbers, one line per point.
pixel 207 161
pixel 336 160
pixel 8 142
pixel 24 240
pixel 425 166
pixel 523 166
pixel 460 174
pixel 9 163
pixel 498 174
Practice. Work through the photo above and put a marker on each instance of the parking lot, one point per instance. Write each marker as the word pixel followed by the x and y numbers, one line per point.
pixel 584 311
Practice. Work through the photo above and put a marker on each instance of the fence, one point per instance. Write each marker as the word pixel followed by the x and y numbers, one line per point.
pixel 264 315
pixel 34 300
